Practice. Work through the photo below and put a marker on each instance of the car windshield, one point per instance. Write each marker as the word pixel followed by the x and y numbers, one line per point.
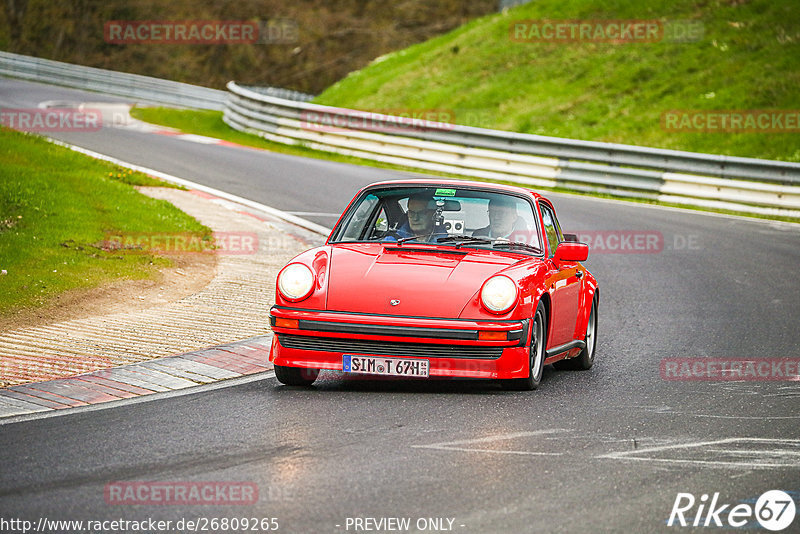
pixel 445 216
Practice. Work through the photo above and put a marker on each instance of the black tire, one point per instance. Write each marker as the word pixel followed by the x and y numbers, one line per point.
pixel 536 354
pixel 295 376
pixel 584 360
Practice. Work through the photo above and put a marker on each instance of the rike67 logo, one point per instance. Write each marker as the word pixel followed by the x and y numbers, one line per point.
pixel 774 510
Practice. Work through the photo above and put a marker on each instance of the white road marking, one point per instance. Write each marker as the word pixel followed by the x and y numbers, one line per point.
pixel 493 451
pixel 313 214
pixel 194 138
pixel 758 417
pixel 455 445
pixel 772 453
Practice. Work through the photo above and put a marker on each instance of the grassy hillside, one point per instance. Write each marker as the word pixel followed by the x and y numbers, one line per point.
pixel 56 209
pixel 747 59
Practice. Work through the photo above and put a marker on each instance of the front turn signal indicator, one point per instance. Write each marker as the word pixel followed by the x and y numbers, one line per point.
pixel 486 335
pixel 287 323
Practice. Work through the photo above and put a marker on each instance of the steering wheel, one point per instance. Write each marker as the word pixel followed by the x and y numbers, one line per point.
pixel 384 234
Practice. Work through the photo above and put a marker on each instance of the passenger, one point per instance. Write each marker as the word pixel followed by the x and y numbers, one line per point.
pixel 503 220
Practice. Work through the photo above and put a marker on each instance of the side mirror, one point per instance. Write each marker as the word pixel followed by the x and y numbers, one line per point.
pixel 568 251
pixel 571 238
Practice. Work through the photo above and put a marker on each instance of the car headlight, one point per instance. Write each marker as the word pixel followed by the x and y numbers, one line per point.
pixel 296 281
pixel 499 294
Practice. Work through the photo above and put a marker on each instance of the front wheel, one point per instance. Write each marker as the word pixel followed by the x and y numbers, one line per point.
pixel 536 355
pixel 295 376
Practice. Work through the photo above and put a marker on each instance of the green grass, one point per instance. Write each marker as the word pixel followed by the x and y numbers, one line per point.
pixel 56 209
pixel 127 176
pixel 748 59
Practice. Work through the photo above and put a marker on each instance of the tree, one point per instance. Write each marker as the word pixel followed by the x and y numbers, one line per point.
pixel 15 14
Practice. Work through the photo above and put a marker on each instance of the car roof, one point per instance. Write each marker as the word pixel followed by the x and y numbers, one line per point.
pixel 456 183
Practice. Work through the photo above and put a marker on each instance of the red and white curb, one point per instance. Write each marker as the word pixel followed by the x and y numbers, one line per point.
pixel 117 115
pixel 205 366
pixel 201 139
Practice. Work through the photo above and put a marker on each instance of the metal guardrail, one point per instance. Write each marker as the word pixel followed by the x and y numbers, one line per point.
pixel 689 178
pixel 277 92
pixel 134 86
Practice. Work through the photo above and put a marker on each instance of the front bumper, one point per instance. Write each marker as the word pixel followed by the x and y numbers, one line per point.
pixel 454 347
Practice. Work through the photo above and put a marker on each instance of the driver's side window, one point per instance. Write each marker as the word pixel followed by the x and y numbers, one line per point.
pixel 383 224
pixel 551 229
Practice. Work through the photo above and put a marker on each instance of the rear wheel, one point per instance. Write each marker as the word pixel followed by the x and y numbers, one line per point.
pixel 535 355
pixel 585 359
pixel 295 376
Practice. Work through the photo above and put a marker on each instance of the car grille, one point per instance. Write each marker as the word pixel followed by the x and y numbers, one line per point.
pixel 387 348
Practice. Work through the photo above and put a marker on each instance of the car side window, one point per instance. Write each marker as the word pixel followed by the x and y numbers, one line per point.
pixel 355 226
pixel 382 221
pixel 551 229
pixel 379 226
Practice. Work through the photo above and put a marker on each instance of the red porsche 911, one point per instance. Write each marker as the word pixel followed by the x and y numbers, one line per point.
pixel 424 279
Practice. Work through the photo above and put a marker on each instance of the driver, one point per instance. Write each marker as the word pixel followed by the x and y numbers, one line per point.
pixel 421 214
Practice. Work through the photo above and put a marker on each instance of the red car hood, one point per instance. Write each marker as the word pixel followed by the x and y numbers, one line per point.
pixel 365 278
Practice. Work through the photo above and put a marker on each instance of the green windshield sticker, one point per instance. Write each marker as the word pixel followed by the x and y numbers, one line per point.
pixel 445 193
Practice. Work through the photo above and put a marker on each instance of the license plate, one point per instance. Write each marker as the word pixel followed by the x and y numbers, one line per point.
pixel 370 365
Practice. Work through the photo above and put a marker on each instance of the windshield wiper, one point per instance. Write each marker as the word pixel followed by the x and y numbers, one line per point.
pixel 464 240
pixel 502 243
pixel 477 240
pixel 405 239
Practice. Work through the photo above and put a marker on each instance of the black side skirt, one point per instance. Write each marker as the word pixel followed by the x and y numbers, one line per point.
pixel 576 343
